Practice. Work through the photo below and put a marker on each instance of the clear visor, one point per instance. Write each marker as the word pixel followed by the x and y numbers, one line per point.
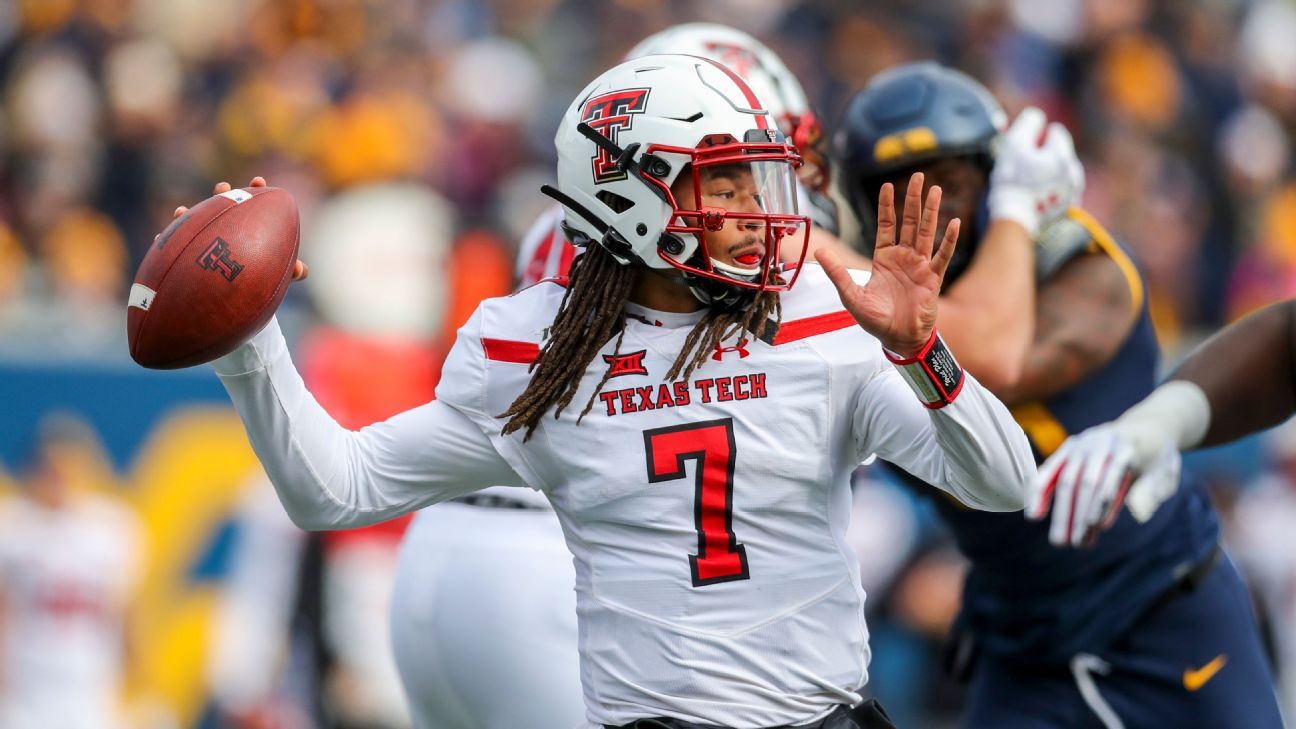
pixel 775 183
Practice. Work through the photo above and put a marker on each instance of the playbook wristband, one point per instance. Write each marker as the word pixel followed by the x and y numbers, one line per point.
pixel 933 374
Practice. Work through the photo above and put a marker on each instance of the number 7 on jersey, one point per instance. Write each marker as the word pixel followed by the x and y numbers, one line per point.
pixel 710 444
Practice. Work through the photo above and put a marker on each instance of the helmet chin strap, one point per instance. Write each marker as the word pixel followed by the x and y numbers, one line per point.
pixel 710 292
pixel 718 294
pixel 742 274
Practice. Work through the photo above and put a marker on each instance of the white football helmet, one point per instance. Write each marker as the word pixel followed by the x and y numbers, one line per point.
pixel 764 71
pixel 631 133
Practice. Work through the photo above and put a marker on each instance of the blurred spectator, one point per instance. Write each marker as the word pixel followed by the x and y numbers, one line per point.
pixel 1260 536
pixel 69 559
pixel 1268 59
pixel 13 276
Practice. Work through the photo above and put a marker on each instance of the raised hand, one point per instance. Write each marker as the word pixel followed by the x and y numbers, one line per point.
pixel 1034 183
pixel 300 269
pixel 898 304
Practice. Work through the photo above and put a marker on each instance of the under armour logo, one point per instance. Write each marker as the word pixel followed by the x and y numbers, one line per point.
pixel 217 257
pixel 740 348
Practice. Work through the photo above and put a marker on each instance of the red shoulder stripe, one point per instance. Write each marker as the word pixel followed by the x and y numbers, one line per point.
pixel 507 350
pixel 535 269
pixel 560 280
pixel 791 331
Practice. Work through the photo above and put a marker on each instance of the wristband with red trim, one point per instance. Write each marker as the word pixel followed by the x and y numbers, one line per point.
pixel 933 373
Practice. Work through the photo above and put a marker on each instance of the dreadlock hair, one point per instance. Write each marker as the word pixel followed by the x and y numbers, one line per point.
pixel 592 310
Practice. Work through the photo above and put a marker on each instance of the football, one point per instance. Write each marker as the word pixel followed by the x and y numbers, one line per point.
pixel 213 278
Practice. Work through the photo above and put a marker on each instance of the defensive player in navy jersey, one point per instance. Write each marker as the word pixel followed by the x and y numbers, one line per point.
pixel 1148 627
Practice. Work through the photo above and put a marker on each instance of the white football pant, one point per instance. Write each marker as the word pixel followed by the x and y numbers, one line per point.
pixel 484 620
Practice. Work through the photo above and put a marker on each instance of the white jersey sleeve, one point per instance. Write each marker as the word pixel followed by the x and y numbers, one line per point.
pixel 472 383
pixel 971 448
pixel 329 477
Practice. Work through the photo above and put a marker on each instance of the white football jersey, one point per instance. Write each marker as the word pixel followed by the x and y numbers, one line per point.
pixel 707 518
pixel 65 577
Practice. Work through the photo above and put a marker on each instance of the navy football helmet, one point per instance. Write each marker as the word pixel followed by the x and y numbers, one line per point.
pixel 907 117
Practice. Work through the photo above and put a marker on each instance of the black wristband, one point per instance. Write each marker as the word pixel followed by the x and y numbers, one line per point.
pixel 933 374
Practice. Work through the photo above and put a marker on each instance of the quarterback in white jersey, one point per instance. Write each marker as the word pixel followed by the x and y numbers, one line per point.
pixel 484 594
pixel 692 417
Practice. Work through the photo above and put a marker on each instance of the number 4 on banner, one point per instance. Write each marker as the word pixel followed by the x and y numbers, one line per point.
pixel 720 558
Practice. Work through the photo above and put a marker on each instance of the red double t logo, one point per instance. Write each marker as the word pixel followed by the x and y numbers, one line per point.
pixel 609 114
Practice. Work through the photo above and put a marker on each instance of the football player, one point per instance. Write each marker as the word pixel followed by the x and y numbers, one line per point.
pixel 691 407
pixel 501 585
pixel 1148 627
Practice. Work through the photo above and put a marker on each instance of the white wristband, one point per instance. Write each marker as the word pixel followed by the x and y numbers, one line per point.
pixel 1176 412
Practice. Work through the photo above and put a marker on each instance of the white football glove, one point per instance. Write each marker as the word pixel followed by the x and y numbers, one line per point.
pixel 1089 478
pixel 1032 183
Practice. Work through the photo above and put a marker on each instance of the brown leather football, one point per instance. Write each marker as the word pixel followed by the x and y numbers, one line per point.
pixel 213 278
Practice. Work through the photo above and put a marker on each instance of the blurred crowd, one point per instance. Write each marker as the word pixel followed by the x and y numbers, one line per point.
pixel 414 135
pixel 116 111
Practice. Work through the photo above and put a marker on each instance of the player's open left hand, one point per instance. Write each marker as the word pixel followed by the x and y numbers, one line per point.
pixel 300 269
pixel 898 304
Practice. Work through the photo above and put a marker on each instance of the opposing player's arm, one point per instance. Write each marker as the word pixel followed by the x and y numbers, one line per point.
pixel 1248 374
pixel 988 315
pixel 1084 314
pixel 328 477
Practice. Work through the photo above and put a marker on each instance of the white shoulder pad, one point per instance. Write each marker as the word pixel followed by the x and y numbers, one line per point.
pixel 1058 243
